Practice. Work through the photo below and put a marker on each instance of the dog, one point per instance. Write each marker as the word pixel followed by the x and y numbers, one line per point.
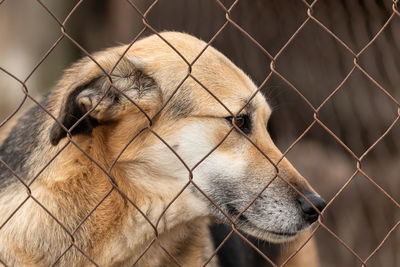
pixel 117 140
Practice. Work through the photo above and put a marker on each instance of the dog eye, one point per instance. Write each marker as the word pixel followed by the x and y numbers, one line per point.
pixel 242 122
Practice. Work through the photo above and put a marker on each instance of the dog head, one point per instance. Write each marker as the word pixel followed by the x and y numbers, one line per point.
pixel 208 126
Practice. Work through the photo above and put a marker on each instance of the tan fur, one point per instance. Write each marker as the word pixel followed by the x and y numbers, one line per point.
pixel 147 172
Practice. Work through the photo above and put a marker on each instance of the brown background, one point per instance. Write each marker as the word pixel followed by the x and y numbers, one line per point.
pixel 314 62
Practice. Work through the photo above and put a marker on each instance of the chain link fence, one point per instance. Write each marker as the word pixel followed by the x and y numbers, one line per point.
pixel 309 16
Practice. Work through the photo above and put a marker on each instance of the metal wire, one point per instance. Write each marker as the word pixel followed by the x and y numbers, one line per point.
pixel 310 19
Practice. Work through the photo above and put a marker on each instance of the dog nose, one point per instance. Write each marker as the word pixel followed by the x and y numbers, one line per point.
pixel 310 214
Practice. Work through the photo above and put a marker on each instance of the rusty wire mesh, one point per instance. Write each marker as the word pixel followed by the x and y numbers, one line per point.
pixel 311 18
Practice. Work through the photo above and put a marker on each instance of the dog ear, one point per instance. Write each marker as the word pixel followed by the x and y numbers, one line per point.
pixel 104 99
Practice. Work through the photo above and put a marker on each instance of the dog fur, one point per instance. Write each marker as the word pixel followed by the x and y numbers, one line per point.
pixel 148 173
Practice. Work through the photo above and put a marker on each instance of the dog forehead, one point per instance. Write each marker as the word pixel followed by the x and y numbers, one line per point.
pixel 174 56
pixel 233 103
pixel 178 60
pixel 220 82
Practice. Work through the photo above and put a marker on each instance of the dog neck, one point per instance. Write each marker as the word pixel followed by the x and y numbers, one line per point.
pixel 126 193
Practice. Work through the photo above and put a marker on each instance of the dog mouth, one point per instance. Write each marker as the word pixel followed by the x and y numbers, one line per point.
pixel 282 234
pixel 244 221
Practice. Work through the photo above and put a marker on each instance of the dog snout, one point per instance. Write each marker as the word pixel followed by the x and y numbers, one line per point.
pixel 309 212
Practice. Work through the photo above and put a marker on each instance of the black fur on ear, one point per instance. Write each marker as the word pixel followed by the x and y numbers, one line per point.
pixel 103 102
pixel 70 113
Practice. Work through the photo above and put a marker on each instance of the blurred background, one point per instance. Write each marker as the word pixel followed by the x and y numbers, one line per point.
pixel 314 62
